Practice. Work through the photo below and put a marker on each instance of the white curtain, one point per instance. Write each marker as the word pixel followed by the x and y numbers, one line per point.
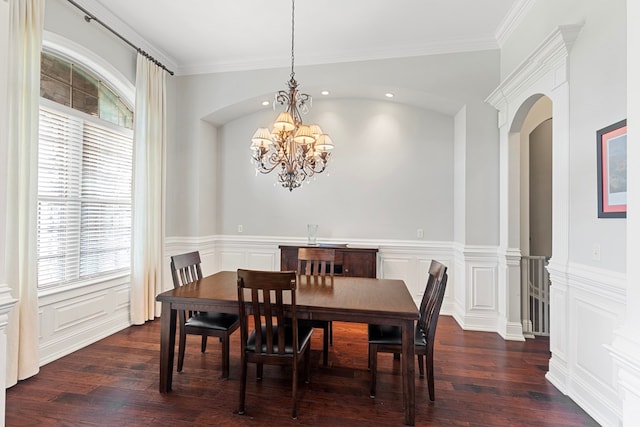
pixel 148 190
pixel 26 20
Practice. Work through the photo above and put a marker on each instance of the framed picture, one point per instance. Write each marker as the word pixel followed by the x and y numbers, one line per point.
pixel 612 170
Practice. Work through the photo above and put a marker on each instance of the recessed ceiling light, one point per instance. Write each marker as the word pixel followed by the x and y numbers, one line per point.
pixel 265 103
pixel 388 95
pixel 324 92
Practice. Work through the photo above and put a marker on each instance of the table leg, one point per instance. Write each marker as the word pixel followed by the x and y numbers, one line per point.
pixel 408 373
pixel 167 346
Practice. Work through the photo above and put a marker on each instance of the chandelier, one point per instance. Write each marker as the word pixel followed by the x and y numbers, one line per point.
pixel 297 151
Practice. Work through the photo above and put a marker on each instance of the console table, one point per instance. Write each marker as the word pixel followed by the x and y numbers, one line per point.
pixel 355 262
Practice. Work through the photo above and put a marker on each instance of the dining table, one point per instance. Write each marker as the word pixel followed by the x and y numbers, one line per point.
pixel 341 298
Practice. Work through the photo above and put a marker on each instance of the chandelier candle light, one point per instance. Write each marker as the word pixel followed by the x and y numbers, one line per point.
pixel 297 150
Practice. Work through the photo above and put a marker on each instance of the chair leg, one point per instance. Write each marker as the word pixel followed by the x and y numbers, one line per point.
pixel 294 391
pixel 325 345
pixel 373 362
pixel 259 367
pixel 243 384
pixel 421 365
pixel 307 365
pixel 430 379
pixel 369 358
pixel 225 357
pixel 181 345
pixel 203 346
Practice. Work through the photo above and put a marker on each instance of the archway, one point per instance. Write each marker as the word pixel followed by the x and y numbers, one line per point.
pixel 545 72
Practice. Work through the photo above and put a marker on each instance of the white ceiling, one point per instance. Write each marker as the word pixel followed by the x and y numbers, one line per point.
pixel 196 36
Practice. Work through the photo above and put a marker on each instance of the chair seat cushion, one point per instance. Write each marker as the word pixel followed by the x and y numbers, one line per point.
pixel 304 335
pixel 392 335
pixel 218 321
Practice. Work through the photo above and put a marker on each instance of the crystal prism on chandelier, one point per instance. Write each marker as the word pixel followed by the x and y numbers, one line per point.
pixel 297 151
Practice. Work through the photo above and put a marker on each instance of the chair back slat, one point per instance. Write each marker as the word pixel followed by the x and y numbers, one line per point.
pixel 185 268
pixel 437 272
pixel 432 316
pixel 269 307
pixel 316 261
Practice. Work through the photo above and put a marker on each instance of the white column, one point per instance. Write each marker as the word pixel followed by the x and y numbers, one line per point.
pixel 6 304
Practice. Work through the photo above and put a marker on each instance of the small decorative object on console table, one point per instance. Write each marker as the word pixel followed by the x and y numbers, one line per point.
pixel 355 262
pixel 312 234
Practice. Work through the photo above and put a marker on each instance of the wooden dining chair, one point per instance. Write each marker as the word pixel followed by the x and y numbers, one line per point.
pixel 272 298
pixel 388 339
pixel 318 263
pixel 185 269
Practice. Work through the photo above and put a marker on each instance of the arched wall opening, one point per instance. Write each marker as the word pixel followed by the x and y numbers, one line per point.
pixel 514 98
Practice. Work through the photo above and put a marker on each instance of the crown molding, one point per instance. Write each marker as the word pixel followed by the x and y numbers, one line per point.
pixel 469 45
pixel 512 20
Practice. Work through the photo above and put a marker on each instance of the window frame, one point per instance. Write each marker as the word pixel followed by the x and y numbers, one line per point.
pixel 123 87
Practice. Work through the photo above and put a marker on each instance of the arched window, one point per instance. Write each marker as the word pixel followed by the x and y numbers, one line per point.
pixel 84 176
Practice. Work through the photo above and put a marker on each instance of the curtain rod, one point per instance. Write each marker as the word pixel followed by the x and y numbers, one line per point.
pixel 89 17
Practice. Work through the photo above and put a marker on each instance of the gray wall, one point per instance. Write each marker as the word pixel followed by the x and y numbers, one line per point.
pixel 390 156
pixel 390 175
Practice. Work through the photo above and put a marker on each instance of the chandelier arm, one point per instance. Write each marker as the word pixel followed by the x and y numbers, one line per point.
pixel 313 167
pixel 264 169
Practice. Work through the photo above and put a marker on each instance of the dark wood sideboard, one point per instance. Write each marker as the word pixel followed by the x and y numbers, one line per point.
pixel 355 262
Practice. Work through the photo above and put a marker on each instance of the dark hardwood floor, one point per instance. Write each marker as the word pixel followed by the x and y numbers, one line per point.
pixel 481 380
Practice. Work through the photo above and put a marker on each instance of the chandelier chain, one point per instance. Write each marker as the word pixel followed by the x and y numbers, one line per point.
pixel 293 11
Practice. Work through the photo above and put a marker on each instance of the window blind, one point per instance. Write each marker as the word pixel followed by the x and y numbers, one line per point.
pixel 84 197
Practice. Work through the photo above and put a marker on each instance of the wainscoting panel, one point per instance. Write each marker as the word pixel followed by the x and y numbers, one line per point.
pixel 558 338
pixel 232 260
pixel 477 298
pixel 263 261
pixel 484 289
pixel 591 356
pixel 76 317
pixel 397 268
pixel 586 310
pixel 411 264
pixel 74 312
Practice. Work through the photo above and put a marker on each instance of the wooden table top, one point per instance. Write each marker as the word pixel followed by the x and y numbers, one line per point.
pixel 384 298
